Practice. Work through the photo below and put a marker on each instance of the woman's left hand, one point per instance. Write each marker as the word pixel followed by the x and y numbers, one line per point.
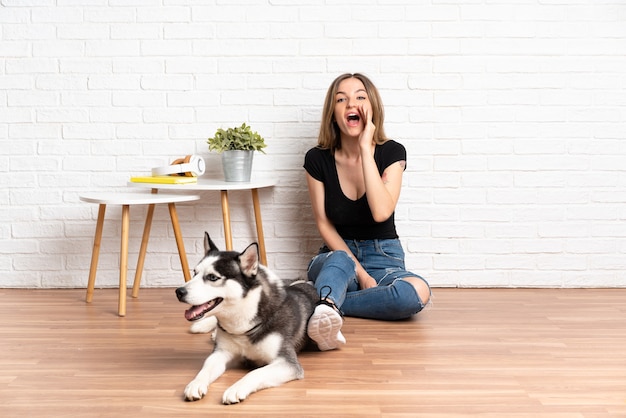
pixel 366 281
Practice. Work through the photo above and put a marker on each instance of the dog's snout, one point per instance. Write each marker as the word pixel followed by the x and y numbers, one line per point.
pixel 181 292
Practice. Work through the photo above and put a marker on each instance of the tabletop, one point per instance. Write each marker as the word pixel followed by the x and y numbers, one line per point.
pixel 210 184
pixel 135 198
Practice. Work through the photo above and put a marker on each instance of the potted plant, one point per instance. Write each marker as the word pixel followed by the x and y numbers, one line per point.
pixel 237 146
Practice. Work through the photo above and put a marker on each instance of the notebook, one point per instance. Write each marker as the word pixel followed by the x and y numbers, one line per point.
pixel 164 179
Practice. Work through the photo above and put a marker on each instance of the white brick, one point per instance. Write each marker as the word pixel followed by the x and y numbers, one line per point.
pixel 588 246
pixel 458 30
pixel 466 163
pixel 85 66
pixel 564 230
pixel 138 65
pixel 32 196
pixel 536 278
pixel 325 47
pixel 510 262
pixel 434 47
pixel 173 115
pixel 17 246
pixel 511 231
pixel 536 246
pixel 142 99
pixel 16 115
pixel 112 48
pixel 458 262
pixel 141 131
pixel 431 12
pixel 56 15
pixel 31 66
pixel 33 131
pixel 30 164
pixel 167 82
pixel 562 262
pixel 28 32
pixel 165 48
pixel 113 82
pixel 15 14
pixel 62 116
pixel 84 31
pixel 135 31
pixel 459 197
pixel 38 230
pixel 457 231
pixel 87 131
pixel 14 49
pixel 427 81
pixel 114 115
pixel 32 98
pixel 163 14
pixel 115 147
pixel 324 14
pixel 110 15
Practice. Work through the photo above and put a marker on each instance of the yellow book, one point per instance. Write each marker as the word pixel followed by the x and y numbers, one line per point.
pixel 164 179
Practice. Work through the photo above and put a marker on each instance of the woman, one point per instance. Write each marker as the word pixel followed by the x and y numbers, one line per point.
pixel 354 177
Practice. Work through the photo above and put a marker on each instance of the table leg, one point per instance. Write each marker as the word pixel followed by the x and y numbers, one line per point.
pixel 259 225
pixel 95 254
pixel 142 250
pixel 228 234
pixel 124 259
pixel 179 241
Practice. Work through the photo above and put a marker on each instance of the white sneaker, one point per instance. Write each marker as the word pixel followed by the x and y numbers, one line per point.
pixel 325 328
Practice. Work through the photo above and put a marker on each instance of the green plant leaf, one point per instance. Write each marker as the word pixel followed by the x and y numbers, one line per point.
pixel 237 138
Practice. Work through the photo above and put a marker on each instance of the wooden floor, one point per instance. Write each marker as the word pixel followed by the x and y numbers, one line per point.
pixel 475 352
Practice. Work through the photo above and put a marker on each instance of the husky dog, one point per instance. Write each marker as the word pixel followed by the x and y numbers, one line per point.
pixel 260 318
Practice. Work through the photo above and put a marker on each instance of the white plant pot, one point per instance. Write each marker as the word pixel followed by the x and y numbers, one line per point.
pixel 237 165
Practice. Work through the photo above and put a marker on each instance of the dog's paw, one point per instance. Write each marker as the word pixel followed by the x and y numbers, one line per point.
pixel 235 394
pixel 195 390
pixel 204 326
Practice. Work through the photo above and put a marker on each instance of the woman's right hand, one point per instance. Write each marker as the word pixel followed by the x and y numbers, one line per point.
pixel 367 135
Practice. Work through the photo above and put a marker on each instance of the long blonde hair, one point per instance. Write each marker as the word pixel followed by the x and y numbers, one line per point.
pixel 329 136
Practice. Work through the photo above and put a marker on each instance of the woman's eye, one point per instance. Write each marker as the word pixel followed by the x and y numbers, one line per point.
pixel 341 99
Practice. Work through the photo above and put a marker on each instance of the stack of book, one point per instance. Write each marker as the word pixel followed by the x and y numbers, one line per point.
pixel 164 179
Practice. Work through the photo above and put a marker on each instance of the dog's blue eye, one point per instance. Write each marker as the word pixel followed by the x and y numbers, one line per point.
pixel 211 277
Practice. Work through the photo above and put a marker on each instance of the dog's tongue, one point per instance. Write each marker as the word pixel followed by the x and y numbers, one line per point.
pixel 196 311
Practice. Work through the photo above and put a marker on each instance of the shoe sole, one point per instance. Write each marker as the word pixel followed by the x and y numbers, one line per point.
pixel 325 328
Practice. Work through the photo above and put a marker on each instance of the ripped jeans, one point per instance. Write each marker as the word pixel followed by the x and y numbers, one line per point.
pixel 333 273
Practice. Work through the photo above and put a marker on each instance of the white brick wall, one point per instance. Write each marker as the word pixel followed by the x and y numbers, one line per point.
pixel 513 114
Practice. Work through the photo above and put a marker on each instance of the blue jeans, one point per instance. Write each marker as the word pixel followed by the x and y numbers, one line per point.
pixel 333 273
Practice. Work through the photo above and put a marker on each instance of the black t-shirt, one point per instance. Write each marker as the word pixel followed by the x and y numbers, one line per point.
pixel 353 218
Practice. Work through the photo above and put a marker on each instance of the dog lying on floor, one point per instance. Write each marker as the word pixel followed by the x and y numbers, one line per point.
pixel 260 318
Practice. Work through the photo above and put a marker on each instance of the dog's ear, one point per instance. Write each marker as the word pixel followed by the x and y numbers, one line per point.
pixel 209 245
pixel 249 260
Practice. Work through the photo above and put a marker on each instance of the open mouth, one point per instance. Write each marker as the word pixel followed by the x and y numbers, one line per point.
pixel 353 118
pixel 198 311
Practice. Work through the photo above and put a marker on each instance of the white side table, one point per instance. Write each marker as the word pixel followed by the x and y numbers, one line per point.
pixel 127 199
pixel 224 187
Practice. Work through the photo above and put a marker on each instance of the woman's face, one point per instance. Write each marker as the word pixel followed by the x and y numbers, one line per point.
pixel 352 107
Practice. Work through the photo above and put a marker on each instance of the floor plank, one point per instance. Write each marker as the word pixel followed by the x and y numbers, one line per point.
pixel 474 352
